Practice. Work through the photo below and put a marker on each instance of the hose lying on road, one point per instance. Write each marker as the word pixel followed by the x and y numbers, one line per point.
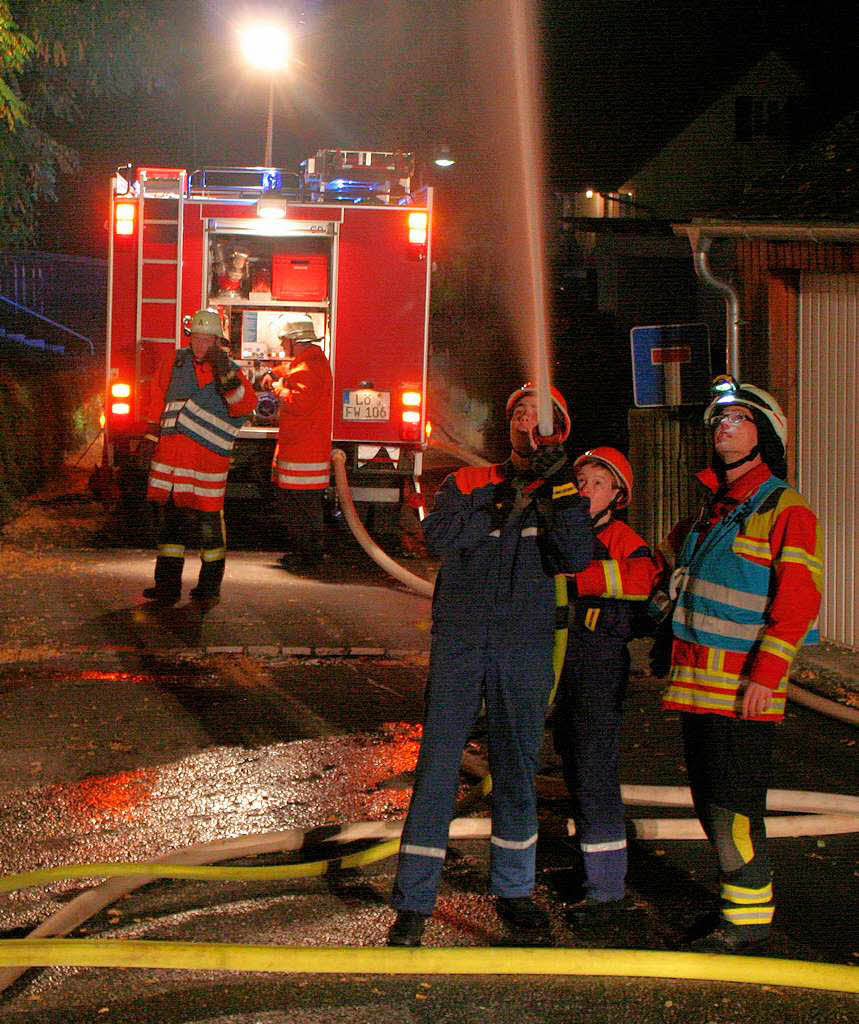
pixel 383 560
pixel 625 963
pixel 826 707
pixel 190 862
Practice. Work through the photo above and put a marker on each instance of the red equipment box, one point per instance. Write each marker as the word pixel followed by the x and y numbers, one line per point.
pixel 299 277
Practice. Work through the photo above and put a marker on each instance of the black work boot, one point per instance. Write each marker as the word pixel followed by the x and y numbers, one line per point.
pixel 161 597
pixel 522 913
pixel 731 938
pixel 168 581
pixel 408 929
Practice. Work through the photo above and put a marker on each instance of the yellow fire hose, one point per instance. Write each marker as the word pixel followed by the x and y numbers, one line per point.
pixel 200 956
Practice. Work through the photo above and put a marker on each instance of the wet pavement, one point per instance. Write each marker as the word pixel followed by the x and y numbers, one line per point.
pixel 126 734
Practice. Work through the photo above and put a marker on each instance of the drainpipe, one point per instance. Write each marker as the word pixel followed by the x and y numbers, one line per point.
pixel 701 260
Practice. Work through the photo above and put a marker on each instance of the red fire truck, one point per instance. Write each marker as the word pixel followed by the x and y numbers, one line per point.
pixel 344 241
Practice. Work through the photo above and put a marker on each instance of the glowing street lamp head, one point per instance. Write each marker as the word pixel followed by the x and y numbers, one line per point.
pixel 265 47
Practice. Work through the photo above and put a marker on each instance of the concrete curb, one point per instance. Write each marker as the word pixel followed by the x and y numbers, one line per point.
pixel 12 657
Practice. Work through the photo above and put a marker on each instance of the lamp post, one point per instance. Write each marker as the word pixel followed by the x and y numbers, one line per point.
pixel 266 47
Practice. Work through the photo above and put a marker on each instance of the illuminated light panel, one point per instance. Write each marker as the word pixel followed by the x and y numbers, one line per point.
pixel 418 228
pixel 120 390
pixel 271 208
pixel 411 398
pixel 120 408
pixel 410 416
pixel 125 214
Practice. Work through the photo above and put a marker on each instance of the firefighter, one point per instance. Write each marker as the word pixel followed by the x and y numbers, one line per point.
pixel 197 405
pixel 302 460
pixel 588 716
pixel 747 580
pixel 502 532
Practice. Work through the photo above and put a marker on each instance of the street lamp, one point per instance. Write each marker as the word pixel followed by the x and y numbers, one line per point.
pixel 443 156
pixel 266 46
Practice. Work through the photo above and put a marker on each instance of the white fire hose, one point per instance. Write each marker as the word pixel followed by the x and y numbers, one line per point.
pixel 383 560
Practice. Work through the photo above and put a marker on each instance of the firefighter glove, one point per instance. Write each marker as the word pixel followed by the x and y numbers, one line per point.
pixel 549 461
pixel 511 498
pixel 221 362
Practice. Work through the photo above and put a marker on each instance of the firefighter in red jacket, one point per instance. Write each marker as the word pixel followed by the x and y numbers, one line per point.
pixel 302 460
pixel 197 405
pixel 593 684
pixel 747 578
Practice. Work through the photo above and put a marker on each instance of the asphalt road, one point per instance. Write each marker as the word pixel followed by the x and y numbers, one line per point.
pixel 296 704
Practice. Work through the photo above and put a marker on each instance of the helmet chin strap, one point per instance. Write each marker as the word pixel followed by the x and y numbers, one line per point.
pixel 753 454
pixel 607 511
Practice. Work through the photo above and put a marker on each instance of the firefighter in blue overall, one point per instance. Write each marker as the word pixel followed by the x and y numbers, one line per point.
pixel 502 532
pixel 589 712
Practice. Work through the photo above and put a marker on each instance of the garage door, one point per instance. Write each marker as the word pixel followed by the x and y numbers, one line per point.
pixel 829 438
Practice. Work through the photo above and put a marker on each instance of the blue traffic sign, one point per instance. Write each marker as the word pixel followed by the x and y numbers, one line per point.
pixel 670 364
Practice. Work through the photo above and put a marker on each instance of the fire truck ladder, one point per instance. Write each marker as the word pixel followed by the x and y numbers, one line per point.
pixel 159 244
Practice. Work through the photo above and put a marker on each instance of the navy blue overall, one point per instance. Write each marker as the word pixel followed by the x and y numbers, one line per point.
pixel 493 629
pixel 587 731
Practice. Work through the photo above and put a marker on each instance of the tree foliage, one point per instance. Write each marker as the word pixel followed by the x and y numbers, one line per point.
pixel 56 56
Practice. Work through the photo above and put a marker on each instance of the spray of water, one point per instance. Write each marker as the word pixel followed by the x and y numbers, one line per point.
pixel 527 119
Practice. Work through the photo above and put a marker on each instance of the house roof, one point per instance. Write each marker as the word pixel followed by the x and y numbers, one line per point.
pixel 821 184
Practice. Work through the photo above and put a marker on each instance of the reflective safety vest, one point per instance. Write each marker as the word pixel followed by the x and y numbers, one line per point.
pixel 197 412
pixel 723 584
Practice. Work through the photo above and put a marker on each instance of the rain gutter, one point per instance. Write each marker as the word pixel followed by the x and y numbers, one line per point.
pixel 701 234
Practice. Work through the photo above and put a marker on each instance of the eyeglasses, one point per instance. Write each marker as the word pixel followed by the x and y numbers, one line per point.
pixel 734 418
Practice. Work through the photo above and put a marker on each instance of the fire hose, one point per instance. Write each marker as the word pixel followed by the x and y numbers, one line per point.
pixel 824 813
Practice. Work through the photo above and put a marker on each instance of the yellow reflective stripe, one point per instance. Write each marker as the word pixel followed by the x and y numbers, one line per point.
pixel 749 915
pixel 591 617
pixel 752 546
pixel 741 834
pixel 213 555
pixel 171 550
pixel 798 556
pixel 613 581
pixel 781 648
pixel 564 490
pixel 742 894
pixel 696 699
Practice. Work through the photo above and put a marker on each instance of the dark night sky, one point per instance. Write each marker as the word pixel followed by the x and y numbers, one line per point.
pixel 622 77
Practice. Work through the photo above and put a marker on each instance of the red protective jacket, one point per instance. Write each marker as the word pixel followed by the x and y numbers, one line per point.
pixel 302 459
pixel 196 476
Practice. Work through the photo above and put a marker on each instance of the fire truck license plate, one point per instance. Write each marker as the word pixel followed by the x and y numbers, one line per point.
pixel 367 405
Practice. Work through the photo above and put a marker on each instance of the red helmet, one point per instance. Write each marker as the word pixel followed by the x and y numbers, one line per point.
pixel 558 401
pixel 617 464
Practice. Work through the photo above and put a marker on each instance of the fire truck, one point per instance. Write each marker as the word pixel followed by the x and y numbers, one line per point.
pixel 344 241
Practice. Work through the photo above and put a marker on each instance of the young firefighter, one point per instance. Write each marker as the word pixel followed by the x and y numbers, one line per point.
pixel 747 579
pixel 502 532
pixel 197 404
pixel 594 678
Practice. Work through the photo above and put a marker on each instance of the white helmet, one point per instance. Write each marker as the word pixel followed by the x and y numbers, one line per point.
pixel 729 392
pixel 206 321
pixel 297 327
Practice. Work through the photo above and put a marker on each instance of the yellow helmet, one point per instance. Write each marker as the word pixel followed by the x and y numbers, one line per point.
pixel 206 321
